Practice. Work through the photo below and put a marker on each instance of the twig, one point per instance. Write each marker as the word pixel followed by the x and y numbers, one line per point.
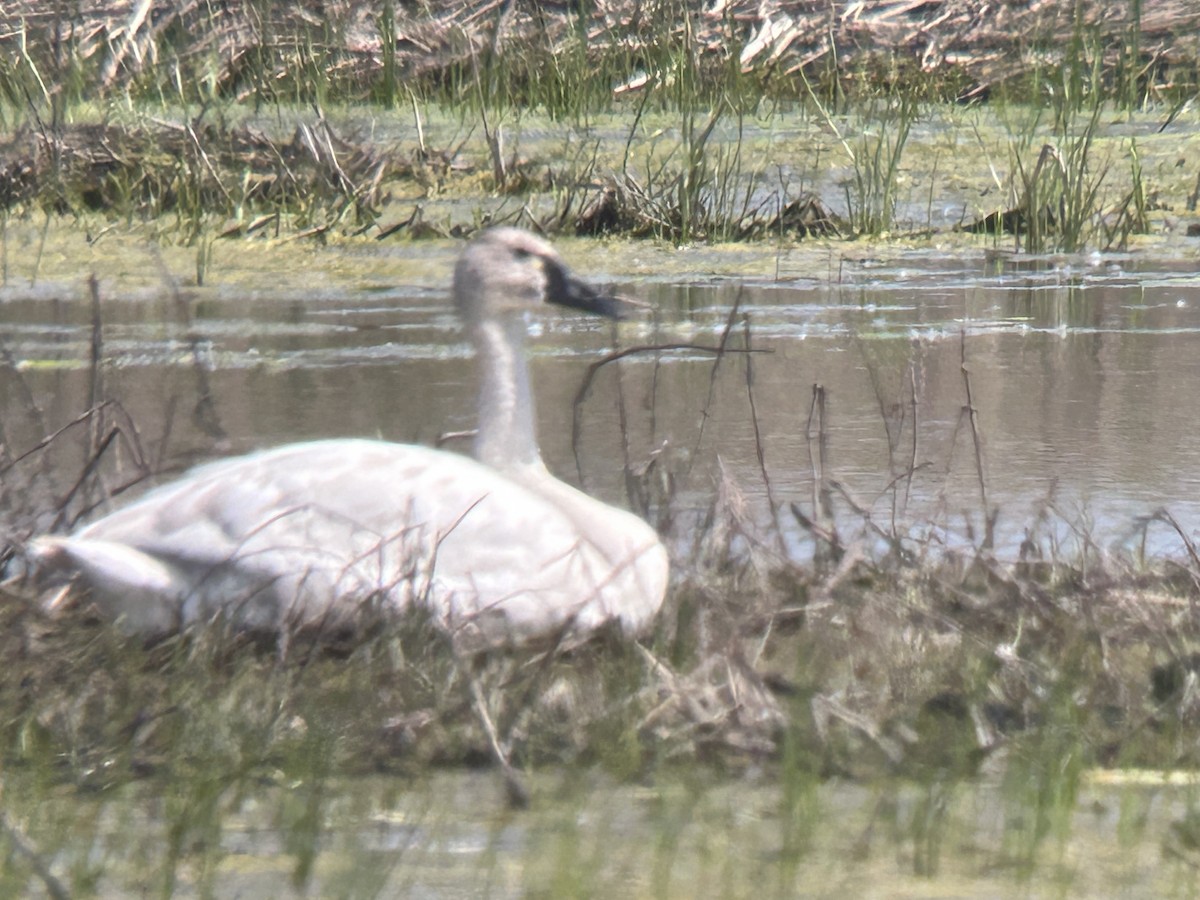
pixel 204 413
pixel 891 537
pixel 1164 515
pixel 973 418
pixel 94 460
pixel 518 791
pixel 822 507
pixel 916 421
pixel 623 425
pixel 50 438
pixel 818 530
pixel 585 387
pixel 758 441
pixel 722 344
pixel 95 375
pixel 191 133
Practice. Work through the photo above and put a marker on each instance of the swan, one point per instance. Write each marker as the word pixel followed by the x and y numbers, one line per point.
pixel 494 548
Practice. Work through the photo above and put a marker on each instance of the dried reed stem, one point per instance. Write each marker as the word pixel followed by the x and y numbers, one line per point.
pixel 589 377
pixel 518 791
pixel 759 450
pixel 976 436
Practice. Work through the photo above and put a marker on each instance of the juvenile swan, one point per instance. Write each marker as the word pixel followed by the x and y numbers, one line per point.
pixel 496 549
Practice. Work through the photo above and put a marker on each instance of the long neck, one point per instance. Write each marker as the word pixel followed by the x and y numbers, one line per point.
pixel 507 437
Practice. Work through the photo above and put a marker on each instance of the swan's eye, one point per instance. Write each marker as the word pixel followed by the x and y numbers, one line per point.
pixel 521 253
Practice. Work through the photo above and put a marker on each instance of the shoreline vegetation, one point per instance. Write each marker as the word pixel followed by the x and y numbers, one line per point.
pixel 893 654
pixel 139 110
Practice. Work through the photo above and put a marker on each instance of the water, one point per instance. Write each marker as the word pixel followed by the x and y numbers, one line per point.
pixel 449 836
pixel 1084 373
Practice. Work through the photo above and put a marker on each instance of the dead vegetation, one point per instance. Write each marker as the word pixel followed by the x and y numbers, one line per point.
pixel 268 49
pixel 874 665
pixel 868 648
pixel 715 66
pixel 161 168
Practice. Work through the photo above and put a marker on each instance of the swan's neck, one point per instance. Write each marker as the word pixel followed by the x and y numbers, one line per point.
pixel 507 437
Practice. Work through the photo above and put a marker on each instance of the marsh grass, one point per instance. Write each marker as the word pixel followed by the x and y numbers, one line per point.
pixel 1062 192
pixel 207 178
pixel 875 158
pixel 1058 202
pixel 699 179
pixel 696 184
pixel 1057 194
pixel 879 680
pixel 568 58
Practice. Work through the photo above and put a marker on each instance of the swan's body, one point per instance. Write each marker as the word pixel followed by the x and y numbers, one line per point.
pixel 496 549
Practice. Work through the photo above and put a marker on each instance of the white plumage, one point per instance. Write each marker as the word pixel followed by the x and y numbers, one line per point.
pixel 496 549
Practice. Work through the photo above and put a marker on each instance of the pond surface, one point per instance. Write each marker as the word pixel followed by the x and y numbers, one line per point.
pixel 1084 372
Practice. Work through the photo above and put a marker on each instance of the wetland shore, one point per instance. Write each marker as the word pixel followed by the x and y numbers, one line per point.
pixel 177 182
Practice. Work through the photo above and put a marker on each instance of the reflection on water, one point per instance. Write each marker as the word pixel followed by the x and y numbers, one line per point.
pixel 1085 375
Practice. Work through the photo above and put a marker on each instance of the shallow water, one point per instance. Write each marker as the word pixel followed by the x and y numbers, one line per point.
pixel 1085 374
pixel 450 835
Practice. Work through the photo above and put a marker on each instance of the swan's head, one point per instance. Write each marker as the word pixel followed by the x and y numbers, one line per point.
pixel 506 270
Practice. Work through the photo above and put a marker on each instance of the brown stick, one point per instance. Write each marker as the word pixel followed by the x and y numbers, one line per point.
pixel 758 441
pixel 973 418
pixel 518 791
